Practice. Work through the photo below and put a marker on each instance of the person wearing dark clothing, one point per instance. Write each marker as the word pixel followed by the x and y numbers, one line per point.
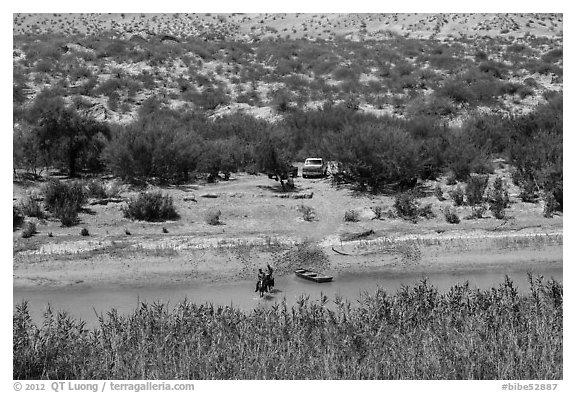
pixel 260 278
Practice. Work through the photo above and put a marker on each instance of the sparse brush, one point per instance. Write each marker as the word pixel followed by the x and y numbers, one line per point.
pixel 426 211
pixel 96 189
pixel 17 217
pixel 439 193
pixel 31 207
pixel 477 212
pixel 475 189
pixel 378 211
pixel 212 217
pixel 151 206
pixel 351 216
pixel 303 255
pixel 550 205
pixel 457 196
pixel 498 198
pixel 114 189
pixel 28 230
pixel 308 212
pixel 65 200
pixel 406 206
pixel 451 216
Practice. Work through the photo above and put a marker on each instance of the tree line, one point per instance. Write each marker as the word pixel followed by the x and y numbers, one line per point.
pixel 373 153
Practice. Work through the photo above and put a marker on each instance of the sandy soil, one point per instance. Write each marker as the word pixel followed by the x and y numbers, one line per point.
pixel 260 225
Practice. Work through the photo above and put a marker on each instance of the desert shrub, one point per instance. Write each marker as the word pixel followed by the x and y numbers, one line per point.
pixel 493 68
pixel 64 200
pixel 351 216
pixel 28 230
pixel 451 179
pixel 475 189
pixel 550 205
pixel 31 207
pixel 457 91
pixel 378 210
pixel 113 190
pixel 451 216
pixel 84 232
pixel 439 193
pixel 151 206
pixel 463 157
pixel 498 198
pixel 406 206
pixel 71 141
pixel 159 145
pixel 530 82
pixel 17 217
pixel 478 211
pixel 95 189
pixel 211 98
pixel 457 196
pixel 553 55
pixel 308 212
pixel 212 217
pixel 426 211
pixel 536 149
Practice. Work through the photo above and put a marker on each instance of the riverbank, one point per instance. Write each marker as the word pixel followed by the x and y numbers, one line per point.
pixel 141 263
pixel 260 224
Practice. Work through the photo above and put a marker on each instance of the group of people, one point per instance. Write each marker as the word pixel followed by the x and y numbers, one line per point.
pixel 264 276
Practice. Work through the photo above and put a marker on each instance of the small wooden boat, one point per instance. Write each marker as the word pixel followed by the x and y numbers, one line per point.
pixel 313 276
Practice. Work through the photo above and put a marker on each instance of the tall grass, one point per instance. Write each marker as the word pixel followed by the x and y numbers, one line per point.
pixel 417 333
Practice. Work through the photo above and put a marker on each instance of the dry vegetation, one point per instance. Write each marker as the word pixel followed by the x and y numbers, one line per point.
pixel 416 333
pixel 444 135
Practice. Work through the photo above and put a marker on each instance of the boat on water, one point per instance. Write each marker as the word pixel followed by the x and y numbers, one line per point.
pixel 313 276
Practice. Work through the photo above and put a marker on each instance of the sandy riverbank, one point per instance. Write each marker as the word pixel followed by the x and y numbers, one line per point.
pixel 134 265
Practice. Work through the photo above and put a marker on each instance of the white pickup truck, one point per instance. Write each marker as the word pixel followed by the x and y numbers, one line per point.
pixel 314 167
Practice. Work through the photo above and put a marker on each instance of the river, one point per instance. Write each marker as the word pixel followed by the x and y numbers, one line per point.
pixel 85 303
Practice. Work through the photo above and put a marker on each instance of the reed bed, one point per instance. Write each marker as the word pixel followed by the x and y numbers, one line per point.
pixel 416 333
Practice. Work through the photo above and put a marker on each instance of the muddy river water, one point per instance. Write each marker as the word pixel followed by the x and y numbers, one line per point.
pixel 85 303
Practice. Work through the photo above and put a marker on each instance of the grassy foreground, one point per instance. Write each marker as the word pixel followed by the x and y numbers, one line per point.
pixel 417 333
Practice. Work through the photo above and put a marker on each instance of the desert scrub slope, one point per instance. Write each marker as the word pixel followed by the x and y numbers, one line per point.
pixel 384 71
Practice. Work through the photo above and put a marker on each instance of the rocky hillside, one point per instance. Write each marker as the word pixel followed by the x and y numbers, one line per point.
pixel 312 26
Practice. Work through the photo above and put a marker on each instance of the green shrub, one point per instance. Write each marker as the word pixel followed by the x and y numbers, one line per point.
pixel 478 211
pixel 212 217
pixel 31 207
pixel 151 206
pixel 457 196
pixel 406 206
pixel 439 193
pixel 475 189
pixel 114 189
pixel 351 216
pixel 451 216
pixel 28 230
pixel 498 198
pixel 84 232
pixel 378 210
pixel 65 200
pixel 426 211
pixel 96 189
pixel 550 205
pixel 17 217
